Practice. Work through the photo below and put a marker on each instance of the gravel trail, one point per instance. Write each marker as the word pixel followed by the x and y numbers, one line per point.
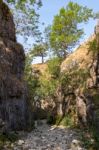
pixel 45 137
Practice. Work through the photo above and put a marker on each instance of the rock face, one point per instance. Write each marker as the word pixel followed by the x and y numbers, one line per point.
pixel 85 85
pixel 14 108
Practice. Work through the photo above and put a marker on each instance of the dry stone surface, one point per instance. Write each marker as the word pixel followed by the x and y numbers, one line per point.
pixel 45 137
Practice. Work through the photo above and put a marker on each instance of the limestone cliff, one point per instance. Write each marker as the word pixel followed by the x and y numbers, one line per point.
pixel 14 110
pixel 83 67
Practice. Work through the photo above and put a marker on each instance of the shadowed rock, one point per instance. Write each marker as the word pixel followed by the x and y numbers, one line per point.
pixel 14 108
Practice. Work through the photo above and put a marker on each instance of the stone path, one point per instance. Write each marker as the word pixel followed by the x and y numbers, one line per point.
pixel 45 137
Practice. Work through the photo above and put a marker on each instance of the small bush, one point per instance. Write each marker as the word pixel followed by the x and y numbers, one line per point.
pixel 12 137
pixel 54 67
pixel 65 121
pixel 93 47
pixel 90 139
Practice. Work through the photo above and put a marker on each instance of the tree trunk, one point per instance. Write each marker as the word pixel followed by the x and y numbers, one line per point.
pixel 42 59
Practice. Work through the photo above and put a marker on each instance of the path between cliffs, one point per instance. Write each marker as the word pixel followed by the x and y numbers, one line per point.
pixel 45 137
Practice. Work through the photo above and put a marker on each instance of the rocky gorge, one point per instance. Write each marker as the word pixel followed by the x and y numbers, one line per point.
pixel 76 95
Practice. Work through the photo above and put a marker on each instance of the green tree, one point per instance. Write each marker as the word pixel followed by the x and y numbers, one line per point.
pixel 39 50
pixel 65 30
pixel 25 16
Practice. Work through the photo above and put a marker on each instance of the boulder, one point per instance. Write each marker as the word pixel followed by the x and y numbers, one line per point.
pixel 75 145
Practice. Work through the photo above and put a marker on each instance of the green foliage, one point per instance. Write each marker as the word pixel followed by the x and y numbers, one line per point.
pixel 39 50
pixel 39 85
pixel 28 62
pixel 22 4
pixel 49 81
pixel 87 143
pixel 75 78
pixel 93 47
pixel 47 32
pixel 30 77
pixel 25 16
pixel 47 87
pixel 65 121
pixel 90 139
pixel 33 84
pixel 64 31
pixel 8 137
pixel 54 67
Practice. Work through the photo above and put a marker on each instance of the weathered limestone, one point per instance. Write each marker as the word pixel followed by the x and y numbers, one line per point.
pixel 97 55
pixel 7 28
pixel 86 92
pixel 14 108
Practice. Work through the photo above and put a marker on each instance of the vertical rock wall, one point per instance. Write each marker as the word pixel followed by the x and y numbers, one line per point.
pixel 14 109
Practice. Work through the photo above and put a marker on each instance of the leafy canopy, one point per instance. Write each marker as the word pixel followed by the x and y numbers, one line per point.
pixel 39 50
pixel 65 30
pixel 25 16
